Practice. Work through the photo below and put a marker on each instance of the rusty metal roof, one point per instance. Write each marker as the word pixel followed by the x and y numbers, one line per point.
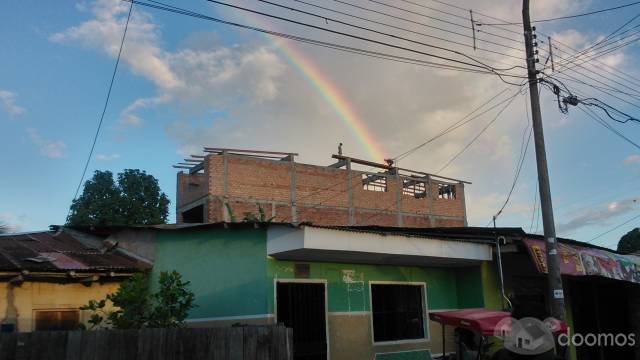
pixel 59 251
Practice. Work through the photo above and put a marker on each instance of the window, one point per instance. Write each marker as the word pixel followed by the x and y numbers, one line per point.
pixel 397 312
pixel 417 189
pixel 372 182
pixel 57 320
pixel 446 191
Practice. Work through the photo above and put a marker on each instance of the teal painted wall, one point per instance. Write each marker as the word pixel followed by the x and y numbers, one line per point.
pixel 231 275
pixel 469 285
pixel 446 288
pixel 226 268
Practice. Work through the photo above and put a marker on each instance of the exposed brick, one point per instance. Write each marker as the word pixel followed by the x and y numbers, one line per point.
pixel 320 196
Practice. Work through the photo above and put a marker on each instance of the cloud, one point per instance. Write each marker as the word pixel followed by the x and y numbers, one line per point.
pixel 12 221
pixel 107 157
pixel 129 117
pixel 208 76
pixel 262 100
pixel 632 159
pixel 49 148
pixel 8 103
pixel 599 215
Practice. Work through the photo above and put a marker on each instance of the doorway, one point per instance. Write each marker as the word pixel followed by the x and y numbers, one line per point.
pixel 302 306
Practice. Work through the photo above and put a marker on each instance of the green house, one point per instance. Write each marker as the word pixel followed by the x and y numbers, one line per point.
pixel 348 292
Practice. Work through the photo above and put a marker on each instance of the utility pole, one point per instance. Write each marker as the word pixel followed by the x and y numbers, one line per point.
pixel 556 295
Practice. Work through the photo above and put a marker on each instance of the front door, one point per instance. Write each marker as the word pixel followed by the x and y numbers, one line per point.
pixel 301 306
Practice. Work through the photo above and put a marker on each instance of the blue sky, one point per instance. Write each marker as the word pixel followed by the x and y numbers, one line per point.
pixel 185 83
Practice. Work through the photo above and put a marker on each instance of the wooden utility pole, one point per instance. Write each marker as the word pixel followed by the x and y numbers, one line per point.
pixel 556 294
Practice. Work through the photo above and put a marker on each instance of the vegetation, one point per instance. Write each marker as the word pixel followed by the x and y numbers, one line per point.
pixel 136 307
pixel 260 218
pixel 630 242
pixel 135 199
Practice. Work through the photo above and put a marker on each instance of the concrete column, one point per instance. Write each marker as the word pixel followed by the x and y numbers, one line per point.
pixel 460 192
pixel 294 207
pixel 352 215
pixel 225 187
pixel 399 187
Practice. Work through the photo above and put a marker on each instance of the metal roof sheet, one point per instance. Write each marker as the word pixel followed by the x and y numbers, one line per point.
pixel 49 251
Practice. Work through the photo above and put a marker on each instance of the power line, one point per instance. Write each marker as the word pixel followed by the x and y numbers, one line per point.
pixel 614 228
pixel 606 38
pixel 573 16
pixel 104 109
pixel 520 164
pixel 455 125
pixel 412 31
pixel 478 135
pixel 600 121
pixel 170 8
pixel 482 65
pixel 438 19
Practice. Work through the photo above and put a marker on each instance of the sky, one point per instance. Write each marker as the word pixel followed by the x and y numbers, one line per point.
pixel 184 83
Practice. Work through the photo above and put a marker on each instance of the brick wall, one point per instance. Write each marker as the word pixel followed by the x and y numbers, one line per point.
pixel 290 192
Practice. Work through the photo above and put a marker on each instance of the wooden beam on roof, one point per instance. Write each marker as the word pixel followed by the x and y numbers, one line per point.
pixel 198 156
pixel 196 168
pixel 193 160
pixel 363 162
pixel 338 164
pixel 372 178
pixel 210 149
pixel 181 167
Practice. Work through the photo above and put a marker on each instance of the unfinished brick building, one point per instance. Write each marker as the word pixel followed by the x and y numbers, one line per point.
pixel 229 184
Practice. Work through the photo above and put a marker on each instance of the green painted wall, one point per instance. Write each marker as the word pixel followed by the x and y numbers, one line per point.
pixel 226 268
pixel 469 285
pixel 232 276
pixel 443 284
pixel 490 287
pixel 405 355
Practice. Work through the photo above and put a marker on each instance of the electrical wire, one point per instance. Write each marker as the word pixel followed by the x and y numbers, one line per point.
pixel 455 125
pixel 104 109
pixel 520 164
pixel 606 38
pixel 614 228
pixel 170 8
pixel 478 135
pixel 316 27
pixel 607 126
pixel 573 16
pixel 412 31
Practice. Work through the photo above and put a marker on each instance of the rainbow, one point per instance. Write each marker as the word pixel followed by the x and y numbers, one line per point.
pixel 332 96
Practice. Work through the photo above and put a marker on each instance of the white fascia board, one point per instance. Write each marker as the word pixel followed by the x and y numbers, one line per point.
pixel 337 240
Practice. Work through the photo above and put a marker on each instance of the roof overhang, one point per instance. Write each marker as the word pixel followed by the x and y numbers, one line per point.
pixel 309 243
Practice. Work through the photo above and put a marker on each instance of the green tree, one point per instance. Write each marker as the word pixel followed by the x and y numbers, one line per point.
pixel 135 199
pixel 630 242
pixel 137 307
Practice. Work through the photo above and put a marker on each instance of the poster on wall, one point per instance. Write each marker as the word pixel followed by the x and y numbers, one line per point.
pixel 581 261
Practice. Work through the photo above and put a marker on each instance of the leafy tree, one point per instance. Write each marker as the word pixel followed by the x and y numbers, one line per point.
pixel 136 307
pixel 135 199
pixel 630 242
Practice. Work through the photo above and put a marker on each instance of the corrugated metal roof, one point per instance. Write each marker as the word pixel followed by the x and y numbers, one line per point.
pixel 59 251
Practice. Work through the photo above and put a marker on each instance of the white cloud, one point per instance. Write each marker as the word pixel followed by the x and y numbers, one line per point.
pixel 268 104
pixel 107 157
pixel 632 159
pixel 210 77
pixel 12 221
pixel 8 103
pixel 598 215
pixel 129 116
pixel 49 148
